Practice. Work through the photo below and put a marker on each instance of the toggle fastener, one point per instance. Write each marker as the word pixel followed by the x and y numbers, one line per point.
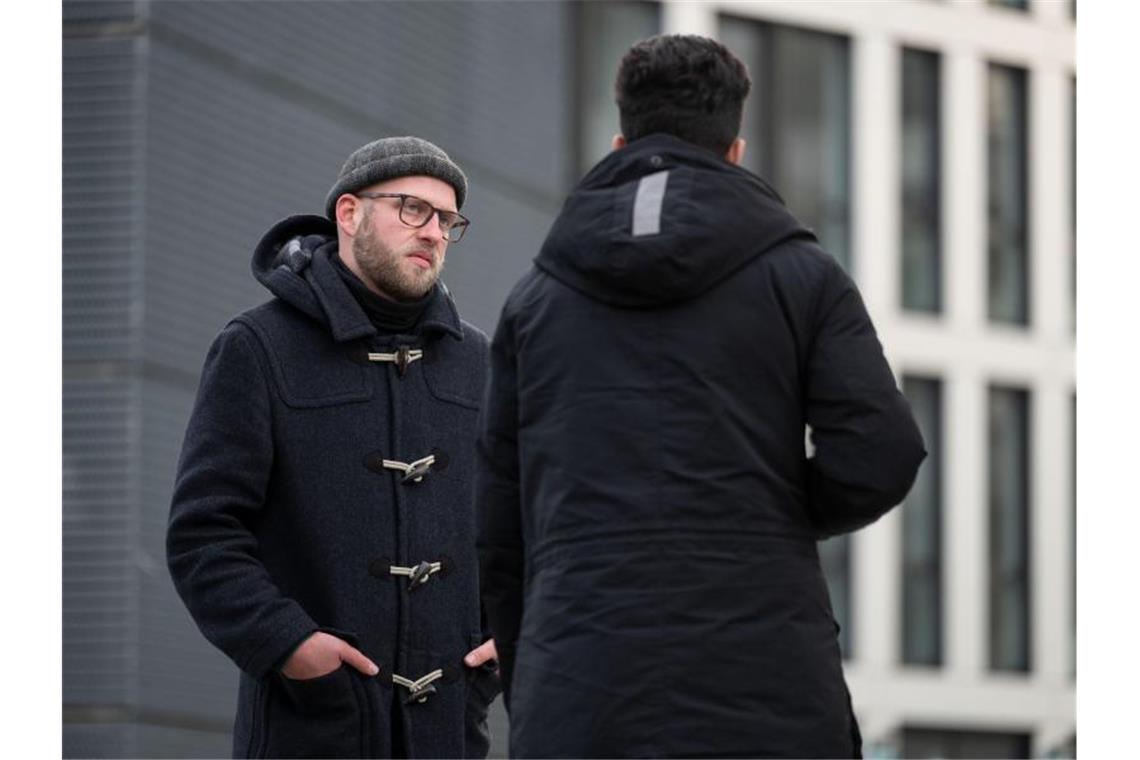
pixel 414 472
pixel 418 575
pixel 402 357
pixel 420 689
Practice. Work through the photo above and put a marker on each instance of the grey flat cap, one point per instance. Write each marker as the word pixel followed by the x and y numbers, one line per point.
pixel 391 157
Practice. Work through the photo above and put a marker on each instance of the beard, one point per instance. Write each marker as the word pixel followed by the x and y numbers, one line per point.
pixel 387 268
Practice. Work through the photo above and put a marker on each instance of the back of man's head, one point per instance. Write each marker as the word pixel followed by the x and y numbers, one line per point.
pixel 688 86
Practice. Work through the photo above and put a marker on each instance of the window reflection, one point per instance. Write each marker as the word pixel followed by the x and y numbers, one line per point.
pixel 1073 203
pixel 1008 189
pixel 921 197
pixel 922 533
pixel 1009 528
pixel 1017 5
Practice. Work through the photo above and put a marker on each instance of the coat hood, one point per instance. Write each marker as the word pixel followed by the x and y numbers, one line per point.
pixel 662 221
pixel 293 262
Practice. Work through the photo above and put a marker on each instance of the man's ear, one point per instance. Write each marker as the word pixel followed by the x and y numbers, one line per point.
pixel 618 142
pixel 735 152
pixel 348 214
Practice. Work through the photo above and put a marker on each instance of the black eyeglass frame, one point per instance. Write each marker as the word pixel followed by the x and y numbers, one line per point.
pixel 461 224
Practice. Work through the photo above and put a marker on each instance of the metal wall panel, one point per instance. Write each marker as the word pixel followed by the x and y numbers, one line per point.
pixel 100 201
pixel 102 85
pixel 505 236
pixel 182 677
pixel 99 604
pixel 225 160
pixel 241 135
pixel 457 73
pixel 98 740
pixel 167 742
pixel 99 11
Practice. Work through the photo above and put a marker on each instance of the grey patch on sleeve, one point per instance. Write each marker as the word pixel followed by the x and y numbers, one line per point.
pixel 647 204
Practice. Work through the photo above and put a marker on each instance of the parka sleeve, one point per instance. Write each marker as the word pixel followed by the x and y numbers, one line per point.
pixel 867 445
pixel 499 540
pixel 219 491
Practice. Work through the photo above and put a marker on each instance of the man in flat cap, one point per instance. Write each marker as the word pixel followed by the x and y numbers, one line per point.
pixel 322 527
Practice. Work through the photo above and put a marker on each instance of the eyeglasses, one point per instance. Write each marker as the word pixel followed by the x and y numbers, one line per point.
pixel 416 212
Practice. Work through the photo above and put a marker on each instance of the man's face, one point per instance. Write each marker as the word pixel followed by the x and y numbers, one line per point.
pixel 402 261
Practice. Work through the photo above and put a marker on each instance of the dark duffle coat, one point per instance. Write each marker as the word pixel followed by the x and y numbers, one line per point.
pixel 648 516
pixel 290 511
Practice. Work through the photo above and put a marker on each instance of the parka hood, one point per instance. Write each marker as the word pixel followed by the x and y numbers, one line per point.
pixel 293 262
pixel 661 221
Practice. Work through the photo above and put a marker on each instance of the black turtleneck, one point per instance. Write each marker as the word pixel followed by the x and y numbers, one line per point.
pixel 387 316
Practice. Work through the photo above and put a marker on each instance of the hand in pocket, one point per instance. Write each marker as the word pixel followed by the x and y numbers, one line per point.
pixel 321 654
pixel 481 654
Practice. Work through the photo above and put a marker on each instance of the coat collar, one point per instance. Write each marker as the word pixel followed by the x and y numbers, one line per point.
pixel 347 320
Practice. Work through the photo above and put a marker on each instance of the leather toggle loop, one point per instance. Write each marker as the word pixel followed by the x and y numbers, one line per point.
pixel 441 460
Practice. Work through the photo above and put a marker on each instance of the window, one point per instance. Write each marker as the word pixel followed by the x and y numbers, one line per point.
pixel 1073 536
pixel 1007 196
pixel 1009 529
pixel 921 172
pixel 1073 203
pixel 940 742
pixel 606 31
pixel 797 121
pixel 835 558
pixel 922 533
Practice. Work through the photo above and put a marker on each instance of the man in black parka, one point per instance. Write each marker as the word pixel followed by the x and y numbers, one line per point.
pixel 648 516
pixel 322 526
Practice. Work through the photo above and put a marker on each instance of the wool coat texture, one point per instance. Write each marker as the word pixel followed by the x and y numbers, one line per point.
pixel 290 510
pixel 648 512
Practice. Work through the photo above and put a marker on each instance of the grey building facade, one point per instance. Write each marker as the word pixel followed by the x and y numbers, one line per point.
pixel 188 129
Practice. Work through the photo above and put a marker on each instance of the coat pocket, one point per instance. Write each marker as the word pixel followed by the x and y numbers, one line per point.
pixel 482 685
pixel 316 717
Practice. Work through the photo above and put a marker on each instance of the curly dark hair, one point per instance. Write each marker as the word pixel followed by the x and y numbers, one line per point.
pixel 688 86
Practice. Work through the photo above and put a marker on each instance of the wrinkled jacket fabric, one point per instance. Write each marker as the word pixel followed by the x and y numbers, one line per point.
pixel 648 515
pixel 285 521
